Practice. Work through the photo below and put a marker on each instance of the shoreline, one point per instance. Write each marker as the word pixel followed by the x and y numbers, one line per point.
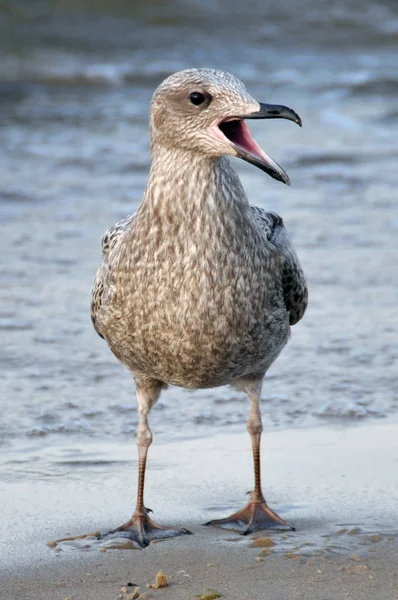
pixel 338 486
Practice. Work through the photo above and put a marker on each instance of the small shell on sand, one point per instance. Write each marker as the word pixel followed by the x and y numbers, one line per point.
pixel 265 552
pixel 374 538
pixel 291 555
pixel 127 594
pixel 263 542
pixel 354 531
pixel 161 581
pixel 357 569
pixel 210 595
pixel 126 589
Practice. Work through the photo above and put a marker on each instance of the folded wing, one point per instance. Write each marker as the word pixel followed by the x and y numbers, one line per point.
pixel 295 291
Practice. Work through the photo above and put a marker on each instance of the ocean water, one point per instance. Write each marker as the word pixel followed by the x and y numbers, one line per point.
pixel 76 80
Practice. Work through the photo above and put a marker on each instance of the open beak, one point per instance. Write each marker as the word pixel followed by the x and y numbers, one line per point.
pixel 235 132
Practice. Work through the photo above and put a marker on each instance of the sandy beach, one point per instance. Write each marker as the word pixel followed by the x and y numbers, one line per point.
pixel 338 486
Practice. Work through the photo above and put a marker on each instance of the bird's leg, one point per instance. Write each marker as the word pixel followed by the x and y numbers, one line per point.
pixel 256 515
pixel 140 528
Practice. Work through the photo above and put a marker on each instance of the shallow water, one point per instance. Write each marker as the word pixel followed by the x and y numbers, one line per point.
pixel 75 83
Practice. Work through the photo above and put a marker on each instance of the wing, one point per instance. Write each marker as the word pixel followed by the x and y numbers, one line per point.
pixel 109 241
pixel 295 291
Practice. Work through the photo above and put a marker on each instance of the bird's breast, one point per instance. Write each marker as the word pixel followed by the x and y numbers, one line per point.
pixel 196 315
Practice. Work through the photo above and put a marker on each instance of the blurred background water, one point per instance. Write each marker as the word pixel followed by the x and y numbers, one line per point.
pixel 76 78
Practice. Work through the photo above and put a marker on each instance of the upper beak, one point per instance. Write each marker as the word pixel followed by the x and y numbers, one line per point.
pixel 274 111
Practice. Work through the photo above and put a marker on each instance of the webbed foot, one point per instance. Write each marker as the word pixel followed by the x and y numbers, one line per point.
pixel 255 516
pixel 141 530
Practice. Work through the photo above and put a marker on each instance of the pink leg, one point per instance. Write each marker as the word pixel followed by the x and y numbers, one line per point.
pixel 140 528
pixel 256 515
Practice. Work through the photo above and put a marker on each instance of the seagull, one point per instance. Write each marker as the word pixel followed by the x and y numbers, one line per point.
pixel 197 288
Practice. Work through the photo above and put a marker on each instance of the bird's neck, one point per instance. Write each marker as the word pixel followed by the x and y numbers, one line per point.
pixel 184 185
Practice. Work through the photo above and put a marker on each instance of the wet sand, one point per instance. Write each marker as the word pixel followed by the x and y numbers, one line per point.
pixel 338 486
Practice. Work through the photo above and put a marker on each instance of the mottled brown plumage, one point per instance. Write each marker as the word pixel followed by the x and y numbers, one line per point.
pixel 198 289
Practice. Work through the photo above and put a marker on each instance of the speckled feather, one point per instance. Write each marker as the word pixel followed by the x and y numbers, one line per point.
pixel 197 288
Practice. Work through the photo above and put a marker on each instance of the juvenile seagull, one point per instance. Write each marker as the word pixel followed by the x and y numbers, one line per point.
pixel 198 289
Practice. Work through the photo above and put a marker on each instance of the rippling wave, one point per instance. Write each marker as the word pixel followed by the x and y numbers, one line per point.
pixel 75 84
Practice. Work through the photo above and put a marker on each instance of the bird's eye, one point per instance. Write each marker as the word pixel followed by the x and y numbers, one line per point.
pixel 197 98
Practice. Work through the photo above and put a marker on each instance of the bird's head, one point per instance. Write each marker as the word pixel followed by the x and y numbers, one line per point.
pixel 204 111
